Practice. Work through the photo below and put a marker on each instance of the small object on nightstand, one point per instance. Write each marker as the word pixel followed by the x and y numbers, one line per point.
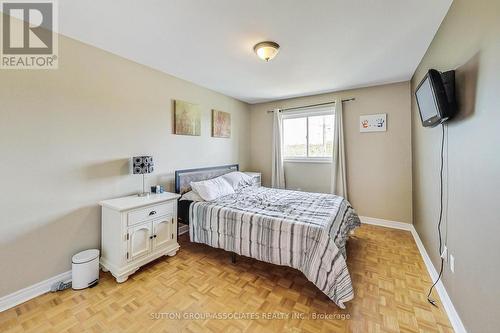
pixel 257 178
pixel 158 189
pixel 136 230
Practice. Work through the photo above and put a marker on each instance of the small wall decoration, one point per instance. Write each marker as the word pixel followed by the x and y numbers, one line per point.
pixel 221 124
pixel 187 118
pixel 373 123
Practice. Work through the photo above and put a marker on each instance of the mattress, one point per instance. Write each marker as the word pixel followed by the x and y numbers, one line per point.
pixel 306 231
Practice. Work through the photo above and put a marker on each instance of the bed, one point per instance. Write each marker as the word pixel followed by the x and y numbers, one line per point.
pixel 306 231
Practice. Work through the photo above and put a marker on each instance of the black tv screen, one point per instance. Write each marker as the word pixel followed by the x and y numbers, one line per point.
pixel 436 97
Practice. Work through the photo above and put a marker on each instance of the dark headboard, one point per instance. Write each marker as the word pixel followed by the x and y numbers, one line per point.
pixel 184 177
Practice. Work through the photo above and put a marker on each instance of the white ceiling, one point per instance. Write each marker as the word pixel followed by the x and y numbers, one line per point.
pixel 326 45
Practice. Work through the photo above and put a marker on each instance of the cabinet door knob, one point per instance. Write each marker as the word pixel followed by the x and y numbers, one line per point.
pixel 154 236
pixel 153 212
pixel 150 237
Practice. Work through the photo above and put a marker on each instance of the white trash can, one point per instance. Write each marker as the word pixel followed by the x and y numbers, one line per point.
pixel 85 269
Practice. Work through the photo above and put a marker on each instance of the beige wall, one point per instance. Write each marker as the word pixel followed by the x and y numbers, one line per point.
pixel 469 41
pixel 65 139
pixel 312 177
pixel 378 164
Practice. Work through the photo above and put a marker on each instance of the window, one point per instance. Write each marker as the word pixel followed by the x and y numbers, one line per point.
pixel 308 136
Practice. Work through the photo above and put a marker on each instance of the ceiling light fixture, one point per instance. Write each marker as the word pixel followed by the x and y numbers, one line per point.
pixel 266 50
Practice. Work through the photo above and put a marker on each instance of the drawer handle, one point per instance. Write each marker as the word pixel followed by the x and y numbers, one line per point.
pixel 153 212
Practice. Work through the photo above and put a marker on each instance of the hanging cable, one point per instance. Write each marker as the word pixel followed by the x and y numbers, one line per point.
pixel 432 301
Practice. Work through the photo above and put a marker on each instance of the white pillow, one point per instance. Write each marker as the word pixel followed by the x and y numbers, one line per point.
pixel 191 196
pixel 237 179
pixel 212 189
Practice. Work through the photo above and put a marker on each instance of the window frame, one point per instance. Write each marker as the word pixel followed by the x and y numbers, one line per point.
pixel 306 113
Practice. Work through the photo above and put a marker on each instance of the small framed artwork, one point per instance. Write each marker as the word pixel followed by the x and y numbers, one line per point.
pixel 373 123
pixel 187 118
pixel 221 124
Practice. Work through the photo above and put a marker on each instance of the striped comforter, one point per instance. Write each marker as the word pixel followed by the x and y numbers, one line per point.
pixel 306 231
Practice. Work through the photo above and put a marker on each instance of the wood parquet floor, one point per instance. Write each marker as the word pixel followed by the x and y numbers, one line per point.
pixel 175 294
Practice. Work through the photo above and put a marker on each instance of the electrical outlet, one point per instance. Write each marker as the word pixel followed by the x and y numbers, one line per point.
pixel 452 263
pixel 444 255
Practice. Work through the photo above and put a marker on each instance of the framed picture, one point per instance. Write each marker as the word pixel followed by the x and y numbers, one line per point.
pixel 221 124
pixel 373 123
pixel 187 118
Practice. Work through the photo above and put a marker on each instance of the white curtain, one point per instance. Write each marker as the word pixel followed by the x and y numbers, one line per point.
pixel 278 173
pixel 339 184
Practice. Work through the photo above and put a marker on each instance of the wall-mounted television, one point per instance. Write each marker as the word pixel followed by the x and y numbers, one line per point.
pixel 436 97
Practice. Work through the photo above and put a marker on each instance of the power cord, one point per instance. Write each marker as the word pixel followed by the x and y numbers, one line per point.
pixel 59 286
pixel 432 301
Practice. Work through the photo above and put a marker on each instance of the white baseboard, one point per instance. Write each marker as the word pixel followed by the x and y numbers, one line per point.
pixel 453 316
pixel 23 295
pixel 386 223
pixel 455 320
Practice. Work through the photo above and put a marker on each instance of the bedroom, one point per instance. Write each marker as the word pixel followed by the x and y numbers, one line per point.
pixel 330 124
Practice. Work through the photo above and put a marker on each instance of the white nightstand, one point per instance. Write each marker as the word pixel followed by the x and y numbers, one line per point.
pixel 257 178
pixel 137 230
